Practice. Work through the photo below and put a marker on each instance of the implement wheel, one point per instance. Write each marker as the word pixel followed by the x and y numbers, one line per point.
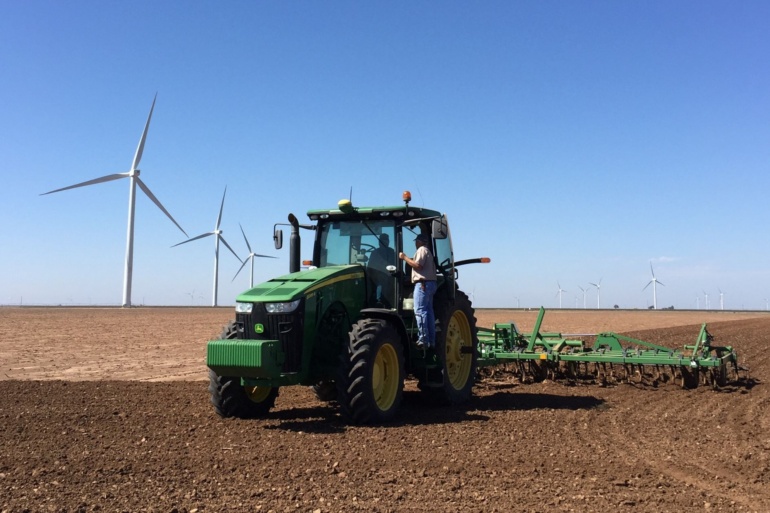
pixel 371 382
pixel 456 346
pixel 232 399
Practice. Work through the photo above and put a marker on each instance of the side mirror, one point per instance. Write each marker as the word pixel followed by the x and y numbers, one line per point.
pixel 278 239
pixel 440 228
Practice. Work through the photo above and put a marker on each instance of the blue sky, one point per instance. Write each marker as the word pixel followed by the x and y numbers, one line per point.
pixel 568 141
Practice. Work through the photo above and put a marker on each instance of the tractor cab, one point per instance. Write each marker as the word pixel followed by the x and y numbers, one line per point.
pixel 372 238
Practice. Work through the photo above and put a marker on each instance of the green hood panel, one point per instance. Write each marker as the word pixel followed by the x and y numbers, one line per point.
pixel 295 285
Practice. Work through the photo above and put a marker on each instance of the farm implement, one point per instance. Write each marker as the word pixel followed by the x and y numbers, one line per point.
pixel 611 358
pixel 344 324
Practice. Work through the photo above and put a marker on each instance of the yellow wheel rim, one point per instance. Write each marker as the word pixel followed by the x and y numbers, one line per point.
pixel 257 394
pixel 385 377
pixel 458 364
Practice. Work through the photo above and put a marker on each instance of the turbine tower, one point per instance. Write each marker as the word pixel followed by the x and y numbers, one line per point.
pixel 598 292
pixel 559 293
pixel 584 296
pixel 721 299
pixel 134 180
pixel 249 258
pixel 707 299
pixel 654 282
pixel 217 233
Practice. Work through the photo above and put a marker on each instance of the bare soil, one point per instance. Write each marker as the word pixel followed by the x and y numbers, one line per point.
pixel 107 410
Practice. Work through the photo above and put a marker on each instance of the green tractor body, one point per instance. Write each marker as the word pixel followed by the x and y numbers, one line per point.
pixel 346 325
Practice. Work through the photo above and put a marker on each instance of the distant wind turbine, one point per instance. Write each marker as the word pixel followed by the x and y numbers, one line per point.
pixel 134 180
pixel 249 258
pixel 654 282
pixel 707 299
pixel 598 292
pixel 560 293
pixel 584 296
pixel 217 233
pixel 721 299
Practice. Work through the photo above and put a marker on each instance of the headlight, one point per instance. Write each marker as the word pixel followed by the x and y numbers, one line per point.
pixel 244 307
pixel 282 307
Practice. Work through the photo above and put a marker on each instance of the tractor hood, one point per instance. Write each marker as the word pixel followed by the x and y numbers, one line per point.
pixel 295 285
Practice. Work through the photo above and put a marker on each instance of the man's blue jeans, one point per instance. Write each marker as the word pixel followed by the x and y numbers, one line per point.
pixel 423 312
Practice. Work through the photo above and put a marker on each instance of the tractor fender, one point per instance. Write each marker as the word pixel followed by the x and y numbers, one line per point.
pixel 390 316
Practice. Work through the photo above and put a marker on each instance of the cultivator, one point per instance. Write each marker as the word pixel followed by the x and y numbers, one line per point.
pixel 612 358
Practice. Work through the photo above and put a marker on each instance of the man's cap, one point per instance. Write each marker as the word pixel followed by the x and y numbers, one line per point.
pixel 423 238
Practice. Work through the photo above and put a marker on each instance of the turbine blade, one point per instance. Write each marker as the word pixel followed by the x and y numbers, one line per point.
pixel 263 256
pixel 660 283
pixel 221 207
pixel 194 238
pixel 651 271
pixel 244 237
pixel 140 148
pixel 240 268
pixel 108 178
pixel 648 284
pixel 231 249
pixel 159 205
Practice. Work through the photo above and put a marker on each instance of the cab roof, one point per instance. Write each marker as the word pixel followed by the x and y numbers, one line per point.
pixel 399 211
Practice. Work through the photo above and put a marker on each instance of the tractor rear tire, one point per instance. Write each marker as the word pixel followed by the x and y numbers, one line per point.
pixel 457 349
pixel 232 399
pixel 371 381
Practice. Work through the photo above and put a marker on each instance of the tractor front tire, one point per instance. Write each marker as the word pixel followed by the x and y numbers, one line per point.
pixel 233 399
pixel 457 348
pixel 371 382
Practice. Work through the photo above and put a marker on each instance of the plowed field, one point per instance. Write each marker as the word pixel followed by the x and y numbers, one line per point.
pixel 107 410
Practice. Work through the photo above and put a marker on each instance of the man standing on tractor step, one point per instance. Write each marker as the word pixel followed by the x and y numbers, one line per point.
pixel 424 279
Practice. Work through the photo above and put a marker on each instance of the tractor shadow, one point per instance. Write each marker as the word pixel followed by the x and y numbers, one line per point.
pixel 419 409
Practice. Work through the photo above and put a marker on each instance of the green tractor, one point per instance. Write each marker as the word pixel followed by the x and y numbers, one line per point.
pixel 346 324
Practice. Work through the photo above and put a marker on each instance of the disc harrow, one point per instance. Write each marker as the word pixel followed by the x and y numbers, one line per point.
pixel 609 359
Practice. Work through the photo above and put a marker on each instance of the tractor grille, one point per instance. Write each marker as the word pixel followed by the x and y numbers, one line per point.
pixel 286 328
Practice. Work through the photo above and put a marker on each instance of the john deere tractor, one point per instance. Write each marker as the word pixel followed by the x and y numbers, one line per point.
pixel 345 323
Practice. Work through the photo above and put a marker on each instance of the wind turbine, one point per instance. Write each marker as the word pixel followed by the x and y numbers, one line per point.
pixel 249 258
pixel 134 180
pixel 584 296
pixel 721 299
pixel 559 293
pixel 707 299
pixel 598 292
pixel 218 236
pixel 654 282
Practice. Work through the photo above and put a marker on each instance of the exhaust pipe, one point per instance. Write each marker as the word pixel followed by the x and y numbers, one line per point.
pixel 294 245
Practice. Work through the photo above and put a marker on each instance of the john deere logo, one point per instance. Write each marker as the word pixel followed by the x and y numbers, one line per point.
pixel 259 328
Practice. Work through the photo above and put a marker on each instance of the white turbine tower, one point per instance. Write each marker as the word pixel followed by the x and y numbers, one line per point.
pixel 134 180
pixel 584 296
pixel 598 292
pixel 721 299
pixel 559 293
pixel 707 299
pixel 249 258
pixel 654 282
pixel 217 233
